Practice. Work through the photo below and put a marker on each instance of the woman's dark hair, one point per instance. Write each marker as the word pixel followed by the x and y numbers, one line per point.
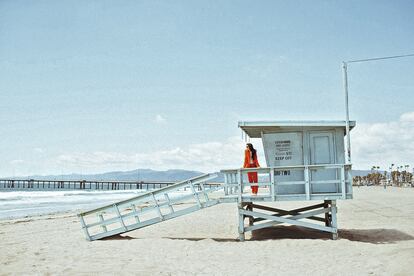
pixel 252 150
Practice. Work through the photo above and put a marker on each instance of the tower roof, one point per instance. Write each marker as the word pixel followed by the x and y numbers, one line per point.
pixel 254 129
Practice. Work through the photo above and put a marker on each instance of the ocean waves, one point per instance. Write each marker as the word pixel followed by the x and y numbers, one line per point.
pixel 18 204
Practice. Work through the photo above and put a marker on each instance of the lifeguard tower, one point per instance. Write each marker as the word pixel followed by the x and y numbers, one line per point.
pixel 305 162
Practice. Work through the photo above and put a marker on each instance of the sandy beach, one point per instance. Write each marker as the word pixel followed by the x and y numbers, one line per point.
pixel 376 237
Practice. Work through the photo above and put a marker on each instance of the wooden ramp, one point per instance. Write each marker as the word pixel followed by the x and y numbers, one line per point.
pixel 150 208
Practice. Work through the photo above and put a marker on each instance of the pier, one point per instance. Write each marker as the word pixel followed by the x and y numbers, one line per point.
pixel 40 185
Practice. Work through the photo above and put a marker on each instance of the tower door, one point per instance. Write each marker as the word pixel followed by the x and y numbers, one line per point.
pixel 322 152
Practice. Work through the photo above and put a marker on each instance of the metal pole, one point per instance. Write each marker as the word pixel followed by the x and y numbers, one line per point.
pixel 348 138
pixel 345 70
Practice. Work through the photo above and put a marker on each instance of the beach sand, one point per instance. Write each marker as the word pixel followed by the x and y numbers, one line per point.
pixel 376 237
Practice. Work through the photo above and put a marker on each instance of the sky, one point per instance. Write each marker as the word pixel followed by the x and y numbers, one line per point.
pixel 95 86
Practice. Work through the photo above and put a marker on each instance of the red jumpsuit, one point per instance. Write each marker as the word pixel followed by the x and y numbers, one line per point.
pixel 249 163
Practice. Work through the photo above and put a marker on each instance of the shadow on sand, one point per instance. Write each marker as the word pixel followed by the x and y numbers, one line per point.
pixel 117 237
pixel 374 236
pixel 120 237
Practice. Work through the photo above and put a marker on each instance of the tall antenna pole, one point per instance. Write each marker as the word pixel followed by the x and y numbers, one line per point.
pixel 348 138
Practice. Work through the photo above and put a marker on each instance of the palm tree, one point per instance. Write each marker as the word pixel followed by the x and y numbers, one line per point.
pixel 406 173
pixel 375 176
pixel 390 175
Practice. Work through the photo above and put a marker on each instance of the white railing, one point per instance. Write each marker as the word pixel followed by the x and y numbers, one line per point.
pixel 149 208
pixel 307 182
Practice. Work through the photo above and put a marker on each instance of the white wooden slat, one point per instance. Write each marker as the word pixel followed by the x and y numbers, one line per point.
pixel 326 182
pixel 195 194
pixel 136 213
pixel 241 185
pixel 307 183
pixel 281 183
pixel 272 185
pixel 169 203
pixel 157 207
pixel 84 227
pixel 343 188
pixel 101 219
pixel 241 223
pixel 349 180
pixel 203 189
pixel 334 211
pixel 119 216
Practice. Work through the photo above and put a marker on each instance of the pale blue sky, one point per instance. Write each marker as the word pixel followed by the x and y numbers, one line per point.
pixel 120 80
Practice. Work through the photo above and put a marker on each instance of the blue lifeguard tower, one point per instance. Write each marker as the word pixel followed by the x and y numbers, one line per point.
pixel 305 162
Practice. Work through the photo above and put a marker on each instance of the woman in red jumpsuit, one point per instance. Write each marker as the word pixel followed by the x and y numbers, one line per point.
pixel 250 161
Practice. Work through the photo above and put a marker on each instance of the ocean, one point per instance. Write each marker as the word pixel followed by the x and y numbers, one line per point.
pixel 20 204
